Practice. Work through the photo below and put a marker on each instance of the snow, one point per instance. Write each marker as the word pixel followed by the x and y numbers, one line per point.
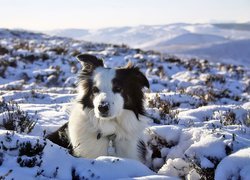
pixel 205 147
pixel 234 166
pixel 94 169
pixel 176 167
pixel 151 177
pixel 170 133
pixel 200 110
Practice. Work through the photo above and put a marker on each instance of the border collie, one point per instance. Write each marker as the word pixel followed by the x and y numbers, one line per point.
pixel 107 116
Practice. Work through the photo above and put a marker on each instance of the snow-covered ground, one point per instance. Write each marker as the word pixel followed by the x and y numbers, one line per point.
pixel 200 111
pixel 216 42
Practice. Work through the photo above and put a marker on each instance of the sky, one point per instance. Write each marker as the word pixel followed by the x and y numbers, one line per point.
pixel 93 14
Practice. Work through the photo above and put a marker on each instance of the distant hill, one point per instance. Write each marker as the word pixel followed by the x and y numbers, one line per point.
pixel 236 52
pixel 193 38
pixel 179 38
pixel 186 42
pixel 144 34
pixel 235 26
pixel 71 33
pixel 7 33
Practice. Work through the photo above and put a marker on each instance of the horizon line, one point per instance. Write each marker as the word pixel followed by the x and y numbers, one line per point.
pixel 106 27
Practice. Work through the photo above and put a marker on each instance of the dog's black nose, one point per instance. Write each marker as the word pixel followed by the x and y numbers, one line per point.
pixel 103 107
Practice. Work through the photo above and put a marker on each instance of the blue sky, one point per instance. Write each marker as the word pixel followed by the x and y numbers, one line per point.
pixel 58 14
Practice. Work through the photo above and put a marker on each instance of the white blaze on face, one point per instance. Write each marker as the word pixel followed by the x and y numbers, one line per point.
pixel 102 79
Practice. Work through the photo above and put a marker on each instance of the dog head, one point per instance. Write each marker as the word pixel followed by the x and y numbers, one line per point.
pixel 110 91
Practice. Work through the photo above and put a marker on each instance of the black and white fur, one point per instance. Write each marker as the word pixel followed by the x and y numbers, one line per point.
pixel 109 102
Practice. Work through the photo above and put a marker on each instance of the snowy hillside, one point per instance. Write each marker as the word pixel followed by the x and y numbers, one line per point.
pixel 231 52
pixel 193 38
pixel 200 112
pixel 173 38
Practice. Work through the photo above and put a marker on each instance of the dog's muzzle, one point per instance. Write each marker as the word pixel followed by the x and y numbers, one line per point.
pixel 104 109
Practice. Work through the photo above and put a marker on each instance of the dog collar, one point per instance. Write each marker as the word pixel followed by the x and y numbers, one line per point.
pixel 111 143
pixel 111 146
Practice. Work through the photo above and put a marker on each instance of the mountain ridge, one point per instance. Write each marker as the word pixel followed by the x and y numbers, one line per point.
pixel 178 38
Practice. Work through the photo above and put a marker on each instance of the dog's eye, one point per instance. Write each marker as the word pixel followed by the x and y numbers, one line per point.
pixel 95 90
pixel 117 89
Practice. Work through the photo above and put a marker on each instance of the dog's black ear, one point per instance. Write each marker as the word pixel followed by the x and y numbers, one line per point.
pixel 89 62
pixel 139 76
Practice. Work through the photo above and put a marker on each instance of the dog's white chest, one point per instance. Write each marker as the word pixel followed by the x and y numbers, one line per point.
pixel 118 138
